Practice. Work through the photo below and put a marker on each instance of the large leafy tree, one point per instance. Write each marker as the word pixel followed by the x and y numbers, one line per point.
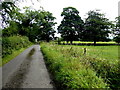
pixel 97 27
pixel 72 25
pixel 47 31
pixel 10 18
pixel 42 24
pixel 7 11
pixel 28 23
pixel 117 30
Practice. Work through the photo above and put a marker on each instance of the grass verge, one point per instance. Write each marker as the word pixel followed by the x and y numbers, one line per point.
pixel 73 70
pixel 12 56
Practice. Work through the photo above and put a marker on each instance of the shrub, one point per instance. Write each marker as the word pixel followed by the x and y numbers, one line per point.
pixel 9 44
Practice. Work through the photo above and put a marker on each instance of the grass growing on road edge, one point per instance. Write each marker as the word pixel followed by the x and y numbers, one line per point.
pixel 12 56
pixel 70 69
pixel 9 44
pixel 12 46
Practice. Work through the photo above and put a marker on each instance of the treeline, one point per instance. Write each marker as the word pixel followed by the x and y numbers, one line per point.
pixel 35 24
pixel 96 26
pixel 39 24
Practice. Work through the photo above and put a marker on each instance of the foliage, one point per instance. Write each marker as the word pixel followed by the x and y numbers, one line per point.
pixel 59 40
pixel 35 24
pixel 47 32
pixel 38 24
pixel 11 30
pixel 117 30
pixel 9 12
pixel 96 27
pixel 117 39
pixel 9 57
pixel 72 25
pixel 9 44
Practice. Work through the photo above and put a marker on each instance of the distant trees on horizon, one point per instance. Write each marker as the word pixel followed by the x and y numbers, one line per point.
pixel 96 26
pixel 39 24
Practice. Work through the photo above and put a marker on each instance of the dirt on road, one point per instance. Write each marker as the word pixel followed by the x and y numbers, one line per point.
pixel 27 70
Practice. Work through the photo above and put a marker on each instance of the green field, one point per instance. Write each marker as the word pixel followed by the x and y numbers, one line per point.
pixel 73 69
pixel 111 42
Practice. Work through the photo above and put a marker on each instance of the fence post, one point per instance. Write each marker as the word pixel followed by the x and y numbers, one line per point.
pixel 85 50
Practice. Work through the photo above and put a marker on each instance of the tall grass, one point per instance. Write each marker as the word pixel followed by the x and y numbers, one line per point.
pixel 72 69
pixel 99 67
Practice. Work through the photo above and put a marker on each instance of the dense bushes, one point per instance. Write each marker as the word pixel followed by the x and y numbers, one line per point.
pixel 68 69
pixel 9 44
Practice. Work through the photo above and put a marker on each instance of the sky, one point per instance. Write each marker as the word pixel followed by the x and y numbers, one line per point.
pixel 108 7
pixel 119 9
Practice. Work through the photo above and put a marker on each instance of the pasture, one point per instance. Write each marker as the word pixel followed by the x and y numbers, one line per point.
pixel 89 43
pixel 74 68
pixel 111 42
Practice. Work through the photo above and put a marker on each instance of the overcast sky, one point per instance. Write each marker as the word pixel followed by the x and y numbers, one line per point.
pixel 109 7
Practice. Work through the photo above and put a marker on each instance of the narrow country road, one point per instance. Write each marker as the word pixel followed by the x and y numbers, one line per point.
pixel 27 70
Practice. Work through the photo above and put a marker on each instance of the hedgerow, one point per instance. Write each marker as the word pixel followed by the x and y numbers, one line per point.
pixel 9 44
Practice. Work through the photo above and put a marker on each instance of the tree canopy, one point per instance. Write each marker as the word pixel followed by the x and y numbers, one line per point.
pixel 39 24
pixel 97 27
pixel 72 25
pixel 117 30
pixel 36 24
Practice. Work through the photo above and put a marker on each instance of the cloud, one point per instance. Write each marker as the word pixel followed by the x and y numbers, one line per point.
pixel 106 6
pixel 109 7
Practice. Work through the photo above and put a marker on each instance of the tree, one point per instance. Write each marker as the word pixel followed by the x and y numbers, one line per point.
pixel 41 23
pixel 47 31
pixel 37 24
pixel 8 9
pixel 72 25
pixel 117 30
pixel 28 23
pixel 97 27
pixel 10 20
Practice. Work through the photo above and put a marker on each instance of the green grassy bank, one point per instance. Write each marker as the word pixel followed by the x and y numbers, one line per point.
pixel 73 68
pixel 13 46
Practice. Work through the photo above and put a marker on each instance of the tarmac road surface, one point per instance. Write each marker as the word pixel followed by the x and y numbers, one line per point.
pixel 27 70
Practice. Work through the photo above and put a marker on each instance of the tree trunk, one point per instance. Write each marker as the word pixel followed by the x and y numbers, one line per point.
pixel 47 40
pixel 67 42
pixel 71 42
pixel 94 43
